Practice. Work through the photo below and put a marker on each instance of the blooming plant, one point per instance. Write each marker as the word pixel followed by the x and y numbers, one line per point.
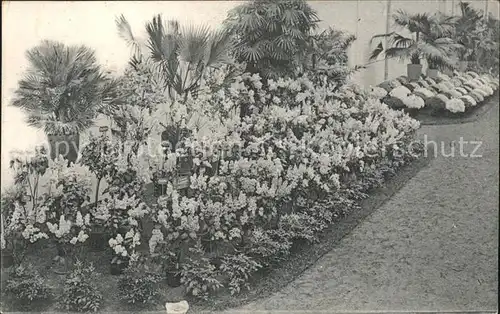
pixel 423 93
pixel 478 97
pixel 468 101
pixel 400 92
pixel 455 105
pixel 414 102
pixel 378 92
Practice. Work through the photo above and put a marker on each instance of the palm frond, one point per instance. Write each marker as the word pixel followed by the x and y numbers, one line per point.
pixel 376 52
pixel 125 32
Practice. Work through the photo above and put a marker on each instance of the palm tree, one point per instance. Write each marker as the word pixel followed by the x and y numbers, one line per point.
pixel 178 56
pixel 465 31
pixel 430 39
pixel 478 36
pixel 271 35
pixel 62 92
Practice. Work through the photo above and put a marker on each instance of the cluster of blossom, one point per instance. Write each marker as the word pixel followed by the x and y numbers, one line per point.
pixel 156 237
pixel 125 246
pixel 378 92
pixel 456 94
pixel 61 229
pixel 117 245
pixel 302 138
pixel 33 234
pixel 410 100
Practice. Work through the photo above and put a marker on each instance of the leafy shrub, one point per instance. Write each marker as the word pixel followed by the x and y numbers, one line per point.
pixel 80 293
pixel 199 275
pixel 238 268
pixel 394 102
pixel 139 285
pixel 436 103
pixel 27 286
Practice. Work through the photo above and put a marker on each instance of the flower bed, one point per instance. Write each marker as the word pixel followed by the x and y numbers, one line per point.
pixel 307 154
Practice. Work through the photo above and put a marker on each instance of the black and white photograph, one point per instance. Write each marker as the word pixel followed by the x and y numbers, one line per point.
pixel 257 156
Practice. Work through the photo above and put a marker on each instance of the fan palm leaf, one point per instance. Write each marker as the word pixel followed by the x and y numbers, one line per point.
pixel 63 88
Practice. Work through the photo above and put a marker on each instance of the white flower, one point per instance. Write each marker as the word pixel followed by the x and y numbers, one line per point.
pixel 400 92
pixel 470 99
pixel 378 92
pixel 455 105
pixel 73 240
pixel 481 91
pixel 112 242
pixel 424 92
pixel 414 102
pixel 79 219
pixel 87 220
pixel 82 236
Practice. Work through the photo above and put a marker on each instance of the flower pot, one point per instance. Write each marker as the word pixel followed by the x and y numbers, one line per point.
pixel 118 269
pixel 462 66
pixel 66 145
pixel 432 73
pixel 7 259
pixel 173 279
pixel 97 240
pixel 414 71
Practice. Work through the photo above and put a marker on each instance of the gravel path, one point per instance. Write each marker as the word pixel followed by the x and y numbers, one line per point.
pixel 432 247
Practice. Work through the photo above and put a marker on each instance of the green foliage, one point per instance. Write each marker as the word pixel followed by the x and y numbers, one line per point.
pixel 27 286
pixel 64 88
pixel 177 56
pixel 80 293
pixel 139 284
pixel 238 268
pixel 430 39
pixel 199 275
pixel 272 36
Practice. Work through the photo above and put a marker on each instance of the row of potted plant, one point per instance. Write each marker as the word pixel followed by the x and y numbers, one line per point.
pixel 441 95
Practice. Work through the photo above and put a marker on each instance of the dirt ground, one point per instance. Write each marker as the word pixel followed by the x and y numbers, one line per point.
pixel 432 247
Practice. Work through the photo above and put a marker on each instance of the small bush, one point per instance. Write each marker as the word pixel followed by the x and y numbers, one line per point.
pixel 27 286
pixel 238 268
pixel 436 103
pixel 199 275
pixel 393 102
pixel 139 285
pixel 80 293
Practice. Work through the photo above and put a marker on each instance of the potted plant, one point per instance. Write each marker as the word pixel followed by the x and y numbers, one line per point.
pixel 429 39
pixel 465 34
pixel 63 93
pixel 118 265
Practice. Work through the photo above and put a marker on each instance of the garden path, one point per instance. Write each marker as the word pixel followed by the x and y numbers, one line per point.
pixel 432 247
